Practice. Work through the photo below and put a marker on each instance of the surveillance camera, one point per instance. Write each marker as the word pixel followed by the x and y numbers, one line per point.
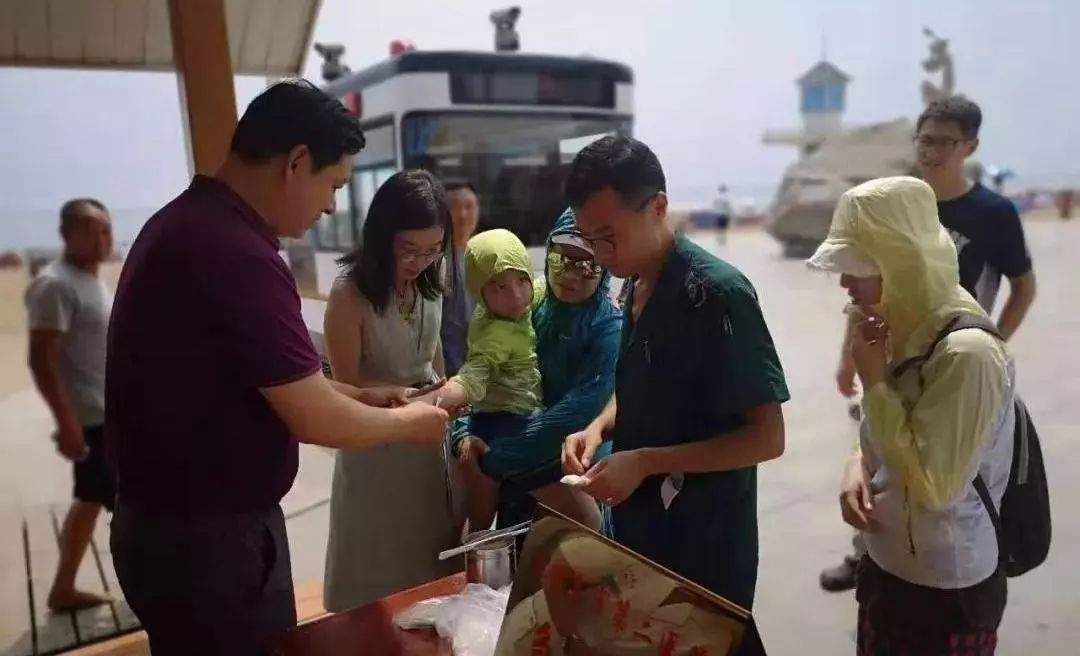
pixel 331 53
pixel 506 17
pixel 506 37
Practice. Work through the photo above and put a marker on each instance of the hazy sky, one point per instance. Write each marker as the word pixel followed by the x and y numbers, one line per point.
pixel 711 76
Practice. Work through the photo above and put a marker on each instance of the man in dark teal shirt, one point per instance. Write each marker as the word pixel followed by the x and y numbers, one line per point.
pixel 698 383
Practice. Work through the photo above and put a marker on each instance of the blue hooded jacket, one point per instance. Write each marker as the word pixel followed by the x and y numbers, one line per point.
pixel 578 346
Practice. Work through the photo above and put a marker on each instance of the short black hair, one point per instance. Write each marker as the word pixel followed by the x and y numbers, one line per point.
pixel 957 109
pixel 293 113
pixel 625 164
pixel 458 185
pixel 408 200
pixel 72 210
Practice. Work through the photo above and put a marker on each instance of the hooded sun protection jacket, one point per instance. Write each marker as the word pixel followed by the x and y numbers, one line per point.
pixel 500 373
pixel 578 346
pixel 926 434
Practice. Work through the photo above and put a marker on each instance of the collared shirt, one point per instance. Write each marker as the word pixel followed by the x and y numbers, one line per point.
pixel 697 359
pixel 206 314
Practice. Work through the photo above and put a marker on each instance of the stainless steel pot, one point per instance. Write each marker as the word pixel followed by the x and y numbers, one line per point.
pixel 490 563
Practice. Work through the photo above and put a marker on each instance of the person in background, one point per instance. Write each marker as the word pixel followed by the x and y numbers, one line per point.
pixel 68 309
pixel 931 582
pixel 984 226
pixel 212 379
pixel 987 233
pixel 458 304
pixel 698 387
pixel 724 214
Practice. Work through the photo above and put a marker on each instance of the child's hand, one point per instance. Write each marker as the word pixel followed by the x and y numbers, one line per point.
pixel 470 450
pixel 450 397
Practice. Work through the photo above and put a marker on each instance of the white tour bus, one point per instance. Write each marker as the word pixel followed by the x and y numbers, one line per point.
pixel 507 123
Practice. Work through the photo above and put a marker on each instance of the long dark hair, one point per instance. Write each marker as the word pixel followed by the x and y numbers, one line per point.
pixel 409 200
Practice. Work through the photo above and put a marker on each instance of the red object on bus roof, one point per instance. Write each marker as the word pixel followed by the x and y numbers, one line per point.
pixel 401 46
pixel 354 103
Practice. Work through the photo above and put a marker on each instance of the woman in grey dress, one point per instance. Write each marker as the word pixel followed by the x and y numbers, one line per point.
pixel 393 507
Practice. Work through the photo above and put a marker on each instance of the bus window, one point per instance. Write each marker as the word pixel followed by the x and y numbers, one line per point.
pixel 342 219
pixel 379 146
pixel 365 183
pixel 324 232
pixel 518 162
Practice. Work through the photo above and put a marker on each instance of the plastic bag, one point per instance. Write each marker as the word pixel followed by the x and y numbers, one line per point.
pixel 470 620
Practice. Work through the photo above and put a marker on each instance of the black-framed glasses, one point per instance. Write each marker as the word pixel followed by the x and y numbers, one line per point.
pixel 559 264
pixel 927 142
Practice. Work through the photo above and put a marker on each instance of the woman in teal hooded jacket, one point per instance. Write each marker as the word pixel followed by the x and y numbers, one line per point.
pixel 577 345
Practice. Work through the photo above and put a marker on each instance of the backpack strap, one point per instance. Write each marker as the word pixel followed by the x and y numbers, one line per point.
pixel 995 518
pixel 961 322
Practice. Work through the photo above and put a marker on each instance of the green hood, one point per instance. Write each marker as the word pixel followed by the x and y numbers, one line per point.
pixel 490 253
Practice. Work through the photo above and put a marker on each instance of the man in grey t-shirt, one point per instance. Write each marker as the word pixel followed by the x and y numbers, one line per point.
pixel 457 304
pixel 68 316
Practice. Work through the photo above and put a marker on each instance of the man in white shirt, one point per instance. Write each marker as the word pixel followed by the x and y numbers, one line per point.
pixel 68 316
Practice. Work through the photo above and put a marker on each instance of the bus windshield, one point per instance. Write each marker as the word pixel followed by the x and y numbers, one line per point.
pixel 517 162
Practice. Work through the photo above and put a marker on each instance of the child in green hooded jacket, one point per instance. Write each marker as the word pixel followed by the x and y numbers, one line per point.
pixel 500 378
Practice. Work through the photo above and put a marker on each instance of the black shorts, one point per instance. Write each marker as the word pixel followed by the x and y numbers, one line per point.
pixel 94 481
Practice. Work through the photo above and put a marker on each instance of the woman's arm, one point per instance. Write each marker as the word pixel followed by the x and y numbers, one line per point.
pixel 342 329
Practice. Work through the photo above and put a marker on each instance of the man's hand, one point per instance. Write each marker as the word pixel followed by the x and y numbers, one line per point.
pixel 856 500
pixel 869 344
pixel 389 396
pixel 579 450
pixel 421 423
pixel 612 480
pixel 71 443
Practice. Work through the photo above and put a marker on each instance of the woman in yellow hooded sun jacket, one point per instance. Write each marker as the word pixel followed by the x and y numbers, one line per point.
pixel 931 581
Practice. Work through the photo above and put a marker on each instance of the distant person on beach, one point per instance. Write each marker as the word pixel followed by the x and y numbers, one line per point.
pixel 212 379
pixel 722 207
pixel 68 309
pixel 457 303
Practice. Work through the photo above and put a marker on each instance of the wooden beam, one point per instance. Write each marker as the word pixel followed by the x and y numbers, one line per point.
pixel 200 40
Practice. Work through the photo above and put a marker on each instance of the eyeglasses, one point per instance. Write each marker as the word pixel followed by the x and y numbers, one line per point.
pixel 410 257
pixel 604 247
pixel 927 142
pixel 559 264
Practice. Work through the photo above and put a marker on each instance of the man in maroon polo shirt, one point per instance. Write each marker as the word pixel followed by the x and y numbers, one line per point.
pixel 211 379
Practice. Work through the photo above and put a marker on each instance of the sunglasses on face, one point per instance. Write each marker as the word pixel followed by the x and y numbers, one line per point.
pixel 559 264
